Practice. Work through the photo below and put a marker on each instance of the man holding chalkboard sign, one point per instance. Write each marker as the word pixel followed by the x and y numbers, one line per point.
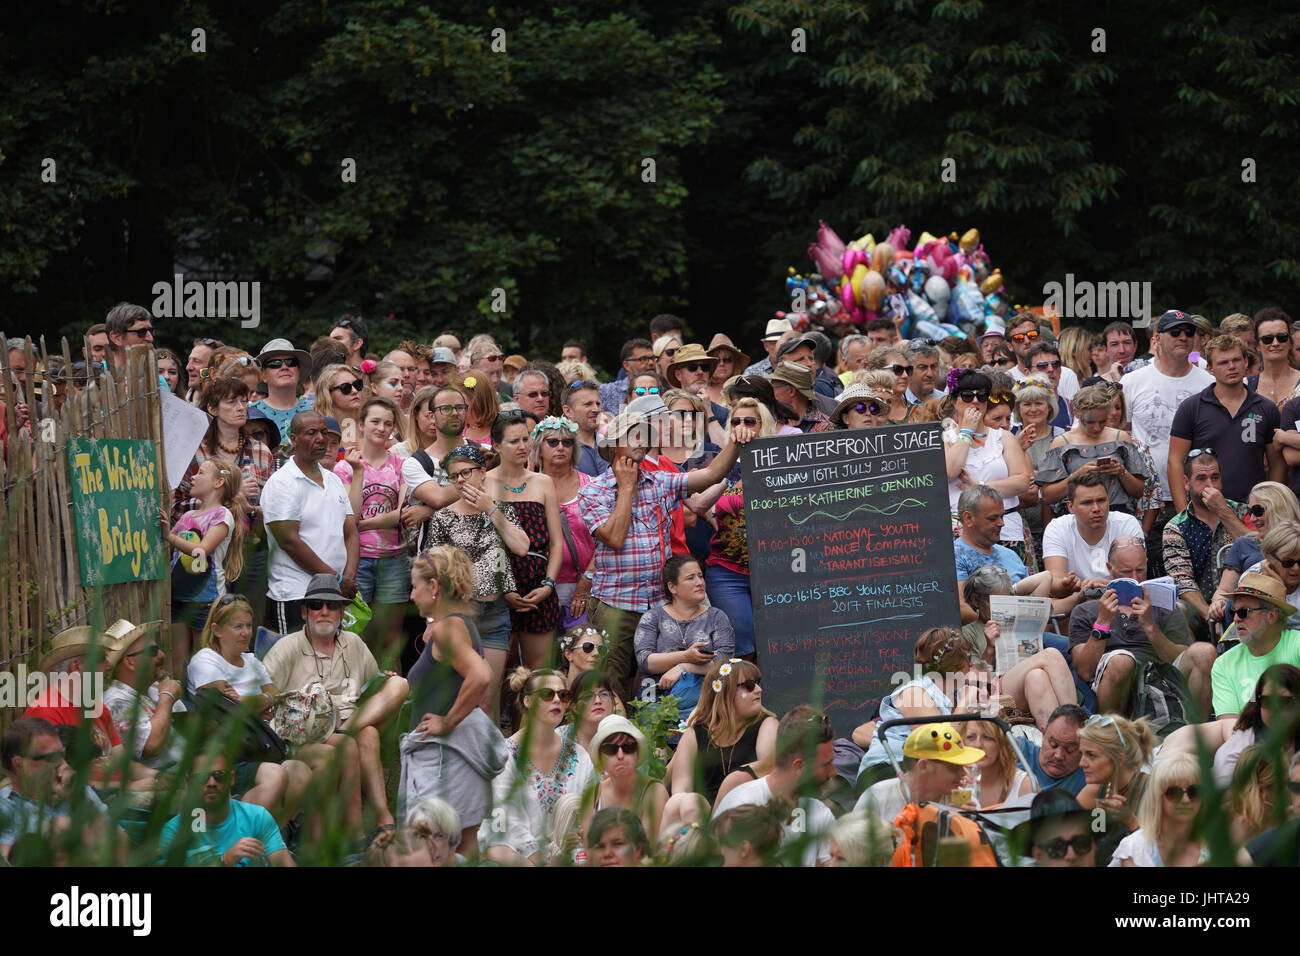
pixel 630 513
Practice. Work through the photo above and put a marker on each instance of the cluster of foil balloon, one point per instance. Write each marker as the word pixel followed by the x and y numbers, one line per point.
pixel 933 289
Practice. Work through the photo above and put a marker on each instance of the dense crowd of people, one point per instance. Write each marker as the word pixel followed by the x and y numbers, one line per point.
pixel 458 607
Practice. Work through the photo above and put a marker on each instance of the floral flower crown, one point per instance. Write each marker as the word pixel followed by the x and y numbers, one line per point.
pixel 569 641
pixel 953 375
pixel 672 840
pixel 473 452
pixel 946 646
pixel 1032 383
pixel 555 423
pixel 723 671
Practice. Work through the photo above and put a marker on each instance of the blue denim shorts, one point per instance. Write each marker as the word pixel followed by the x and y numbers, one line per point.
pixel 385 580
pixel 493 623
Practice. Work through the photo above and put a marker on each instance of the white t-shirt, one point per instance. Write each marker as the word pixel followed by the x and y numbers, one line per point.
pixel 883 799
pixel 320 511
pixel 815 820
pixel 1152 398
pixel 414 475
pixel 1065 388
pixel 208 666
pixel 1061 539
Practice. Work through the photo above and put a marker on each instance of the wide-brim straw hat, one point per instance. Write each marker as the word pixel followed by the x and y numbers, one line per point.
pixel 1267 589
pixel 857 392
pixel 723 343
pixel 612 726
pixel 617 430
pixel 283 347
pixel 120 635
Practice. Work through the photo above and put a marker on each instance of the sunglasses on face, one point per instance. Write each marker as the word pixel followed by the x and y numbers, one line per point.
pixel 1051 366
pixel 347 388
pixel 1187 332
pixel 220 776
pixel 549 694
pixel 152 650
pixel 669 352
pixel 557 442
pixel 1175 793
pixel 1025 337
pixel 1256 510
pixel 275 363
pixel 449 409
pixel 588 647
pixel 748 686
pixel 143 333
pixel 696 367
pixel 1270 339
pixel 544 393
pixel 1003 363
pixel 1241 613
pixel 900 369
pixel 870 407
pixel 1287 563
pixel 642 390
pixel 748 422
pixel 609 748
pixel 1056 849
pixel 317 605
pixel 52 756
pixel 970 395
pixel 1001 398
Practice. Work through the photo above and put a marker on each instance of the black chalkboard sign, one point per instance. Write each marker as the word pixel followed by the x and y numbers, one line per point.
pixel 850 559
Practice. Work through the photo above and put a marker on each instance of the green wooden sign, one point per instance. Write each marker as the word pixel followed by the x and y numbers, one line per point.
pixel 115 499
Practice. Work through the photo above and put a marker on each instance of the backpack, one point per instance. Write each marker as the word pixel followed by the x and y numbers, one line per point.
pixel 923 825
pixel 1160 694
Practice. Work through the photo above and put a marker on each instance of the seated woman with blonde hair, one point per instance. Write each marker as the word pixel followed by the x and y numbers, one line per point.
pixel 1166 818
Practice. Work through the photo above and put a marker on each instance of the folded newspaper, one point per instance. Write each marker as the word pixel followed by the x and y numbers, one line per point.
pixel 1022 621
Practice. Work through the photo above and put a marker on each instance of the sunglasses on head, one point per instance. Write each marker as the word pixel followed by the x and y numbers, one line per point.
pixel 1198 452
pixel 609 748
pixel 1048 366
pixel 1056 849
pixel 347 388
pixel 275 363
pixel 230 598
pixel 549 694
pixel 1097 720
pixel 557 442
pixel 207 343
pixel 1188 331
pixel 642 390
pixel 1001 398
pixel 317 605
pixel 1270 339
pixel 899 369
pixel 1025 337
pixel 970 395
pixel 1175 792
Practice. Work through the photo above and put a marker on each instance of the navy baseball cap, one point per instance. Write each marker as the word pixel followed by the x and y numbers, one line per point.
pixel 1174 318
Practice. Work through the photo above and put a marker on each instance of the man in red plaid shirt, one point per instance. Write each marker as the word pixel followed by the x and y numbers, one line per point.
pixel 629 512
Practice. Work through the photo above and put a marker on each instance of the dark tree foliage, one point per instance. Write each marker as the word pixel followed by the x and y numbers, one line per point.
pixel 525 171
